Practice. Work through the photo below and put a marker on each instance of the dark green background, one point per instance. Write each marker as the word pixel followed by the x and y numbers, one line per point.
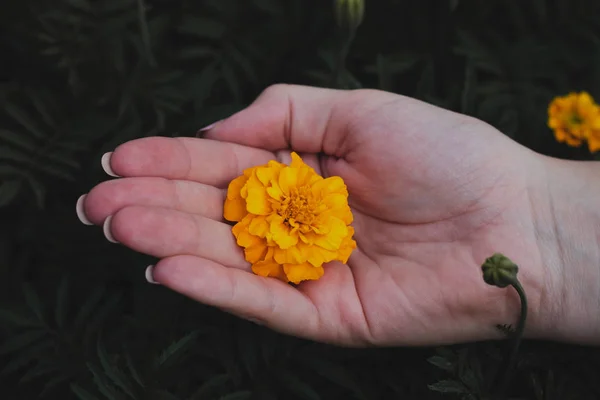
pixel 78 77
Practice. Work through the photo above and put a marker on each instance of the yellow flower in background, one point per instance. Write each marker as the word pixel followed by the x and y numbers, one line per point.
pixel 575 119
pixel 290 220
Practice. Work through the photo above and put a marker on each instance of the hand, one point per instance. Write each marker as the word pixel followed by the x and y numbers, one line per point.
pixel 433 194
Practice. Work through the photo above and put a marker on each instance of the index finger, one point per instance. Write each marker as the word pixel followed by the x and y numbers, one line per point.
pixel 206 161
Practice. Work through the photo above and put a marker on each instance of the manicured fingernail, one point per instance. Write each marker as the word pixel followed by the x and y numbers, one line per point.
pixel 207 128
pixel 106 165
pixel 106 230
pixel 80 212
pixel 149 276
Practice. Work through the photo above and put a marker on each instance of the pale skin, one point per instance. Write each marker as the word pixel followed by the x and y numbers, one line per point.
pixel 433 193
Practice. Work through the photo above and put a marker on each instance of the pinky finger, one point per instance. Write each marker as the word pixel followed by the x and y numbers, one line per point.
pixel 266 300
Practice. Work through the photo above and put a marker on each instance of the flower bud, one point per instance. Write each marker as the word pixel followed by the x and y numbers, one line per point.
pixel 499 270
pixel 349 13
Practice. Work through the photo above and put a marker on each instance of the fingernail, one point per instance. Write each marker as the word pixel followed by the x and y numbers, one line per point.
pixel 207 128
pixel 106 230
pixel 149 276
pixel 80 212
pixel 255 321
pixel 105 161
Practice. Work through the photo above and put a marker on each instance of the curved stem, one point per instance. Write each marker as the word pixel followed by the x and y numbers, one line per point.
pixel 518 336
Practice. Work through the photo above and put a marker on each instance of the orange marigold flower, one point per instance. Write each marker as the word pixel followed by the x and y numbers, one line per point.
pixel 290 220
pixel 575 118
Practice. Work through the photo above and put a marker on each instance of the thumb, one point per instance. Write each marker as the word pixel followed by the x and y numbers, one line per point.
pixel 292 117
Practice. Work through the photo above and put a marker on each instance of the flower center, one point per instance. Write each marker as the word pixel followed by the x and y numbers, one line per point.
pixel 298 207
pixel 574 120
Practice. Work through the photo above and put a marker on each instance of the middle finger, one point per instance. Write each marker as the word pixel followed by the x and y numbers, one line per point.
pixel 190 197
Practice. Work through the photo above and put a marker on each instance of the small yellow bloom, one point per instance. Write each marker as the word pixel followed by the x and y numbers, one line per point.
pixel 290 220
pixel 575 119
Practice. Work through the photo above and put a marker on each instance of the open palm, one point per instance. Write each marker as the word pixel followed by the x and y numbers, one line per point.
pixel 433 194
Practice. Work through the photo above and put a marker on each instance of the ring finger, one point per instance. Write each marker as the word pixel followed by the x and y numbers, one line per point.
pixel 162 232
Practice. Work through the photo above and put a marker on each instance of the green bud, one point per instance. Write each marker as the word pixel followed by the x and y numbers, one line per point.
pixel 499 270
pixel 349 14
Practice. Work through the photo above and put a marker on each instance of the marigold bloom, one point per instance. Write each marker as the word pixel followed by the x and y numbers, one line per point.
pixel 290 220
pixel 575 119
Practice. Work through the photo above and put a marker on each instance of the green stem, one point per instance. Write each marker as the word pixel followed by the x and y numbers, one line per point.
pixel 518 336
pixel 145 32
pixel 340 67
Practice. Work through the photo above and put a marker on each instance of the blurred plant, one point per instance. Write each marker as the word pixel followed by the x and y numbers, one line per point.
pixel 575 119
pixel 349 15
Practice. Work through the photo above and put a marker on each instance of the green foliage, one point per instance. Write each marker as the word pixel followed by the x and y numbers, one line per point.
pixel 79 77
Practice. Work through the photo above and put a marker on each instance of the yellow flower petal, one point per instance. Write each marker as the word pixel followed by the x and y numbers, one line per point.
pixel 288 178
pixel 283 234
pixel 333 239
pixel 293 255
pixel 269 268
pixel 257 201
pixel 259 226
pixel 297 273
pixel 235 205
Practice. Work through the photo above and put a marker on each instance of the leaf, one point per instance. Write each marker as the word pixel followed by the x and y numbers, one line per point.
pixel 51 383
pixel 39 190
pixel 91 302
pixel 209 386
pixel 192 53
pixel 175 349
pixel 335 373
pixel 18 320
pixel 62 302
pixel 468 93
pixel 101 382
pixel 541 10
pixel 448 386
pixel 16 156
pixel 25 356
pixel 272 7
pixel 241 395
pixel 82 393
pixel 133 370
pixel 296 386
pixel 201 86
pixel 41 107
pixel 25 120
pixel 9 190
pixel 383 73
pixel 19 140
pixel 232 81
pixel 17 342
pixel 81 5
pixel 42 368
pixel 482 56
pixel 99 316
pixel 33 301
pixel 112 371
pixel 202 27
pixel 441 363
pixel 244 64
pixel 163 395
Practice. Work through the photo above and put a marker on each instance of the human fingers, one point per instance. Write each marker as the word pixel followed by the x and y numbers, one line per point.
pixel 286 117
pixel 161 232
pixel 265 300
pixel 108 197
pixel 201 160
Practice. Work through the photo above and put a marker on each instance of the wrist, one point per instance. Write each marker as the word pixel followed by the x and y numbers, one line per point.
pixel 565 207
